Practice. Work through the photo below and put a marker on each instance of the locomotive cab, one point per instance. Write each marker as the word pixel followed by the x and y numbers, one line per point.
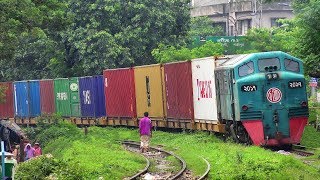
pixel 269 101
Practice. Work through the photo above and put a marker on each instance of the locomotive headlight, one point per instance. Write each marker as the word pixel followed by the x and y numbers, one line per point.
pixel 244 108
pixel 304 104
pixel 269 76
pixel 275 76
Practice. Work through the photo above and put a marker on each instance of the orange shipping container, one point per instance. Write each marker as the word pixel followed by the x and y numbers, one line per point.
pixel 149 90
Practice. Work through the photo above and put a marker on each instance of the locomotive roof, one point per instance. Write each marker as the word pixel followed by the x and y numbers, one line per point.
pixel 231 61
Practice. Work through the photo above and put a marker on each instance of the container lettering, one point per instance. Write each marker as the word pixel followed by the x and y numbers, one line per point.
pixel 86 95
pixel 204 89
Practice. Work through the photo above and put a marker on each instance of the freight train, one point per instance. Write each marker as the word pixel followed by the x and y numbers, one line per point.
pixel 257 98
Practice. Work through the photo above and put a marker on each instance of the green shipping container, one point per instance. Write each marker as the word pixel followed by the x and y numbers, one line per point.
pixel 66 92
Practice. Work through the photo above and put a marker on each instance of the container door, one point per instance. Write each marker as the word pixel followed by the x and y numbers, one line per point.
pixel 99 96
pixel 47 97
pixel 149 92
pixel 6 105
pixel 34 98
pixel 75 100
pixel 204 91
pixel 120 92
pixel 62 97
pixel 178 90
pixel 87 96
pixel 21 104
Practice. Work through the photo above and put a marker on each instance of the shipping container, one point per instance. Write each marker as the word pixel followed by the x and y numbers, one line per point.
pixel 92 99
pixel 47 96
pixel 204 90
pixel 149 90
pixel 6 104
pixel 75 99
pixel 178 83
pixel 27 99
pixel 34 98
pixel 66 93
pixel 120 92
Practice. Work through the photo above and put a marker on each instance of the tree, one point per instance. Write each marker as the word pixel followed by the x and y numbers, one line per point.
pixel 165 54
pixel 30 37
pixel 309 37
pixel 281 38
pixel 111 34
pixel 203 26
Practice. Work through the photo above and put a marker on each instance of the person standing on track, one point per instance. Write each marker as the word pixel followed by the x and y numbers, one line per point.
pixel 145 129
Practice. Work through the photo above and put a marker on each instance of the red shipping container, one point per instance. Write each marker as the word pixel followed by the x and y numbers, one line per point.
pixel 6 106
pixel 178 82
pixel 120 92
pixel 47 96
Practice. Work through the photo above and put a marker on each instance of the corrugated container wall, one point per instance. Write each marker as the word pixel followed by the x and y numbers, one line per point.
pixel 120 92
pixel 62 96
pixel 27 99
pixel 92 99
pixel 21 108
pixel 47 96
pixel 66 93
pixel 149 90
pixel 178 82
pixel 6 104
pixel 34 98
pixel 204 90
pixel 75 98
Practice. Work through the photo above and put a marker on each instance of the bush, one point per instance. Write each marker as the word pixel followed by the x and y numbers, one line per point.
pixel 37 168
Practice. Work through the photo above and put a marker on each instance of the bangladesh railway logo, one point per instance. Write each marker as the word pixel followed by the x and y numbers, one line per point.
pixel 73 86
pixel 274 95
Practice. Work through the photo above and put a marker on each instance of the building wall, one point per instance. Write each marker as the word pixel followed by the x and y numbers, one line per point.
pixel 237 16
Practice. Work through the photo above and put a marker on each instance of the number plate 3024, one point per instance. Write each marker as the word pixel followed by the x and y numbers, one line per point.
pixel 295 84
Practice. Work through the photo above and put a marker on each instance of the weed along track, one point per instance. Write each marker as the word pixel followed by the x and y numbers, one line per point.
pixel 160 164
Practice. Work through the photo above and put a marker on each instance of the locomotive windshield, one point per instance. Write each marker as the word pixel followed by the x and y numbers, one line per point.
pixel 291 65
pixel 265 64
pixel 246 69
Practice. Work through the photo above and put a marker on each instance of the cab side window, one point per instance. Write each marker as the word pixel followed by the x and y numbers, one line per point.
pixel 246 69
pixel 291 65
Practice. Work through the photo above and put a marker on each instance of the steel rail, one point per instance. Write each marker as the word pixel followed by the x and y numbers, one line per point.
pixel 145 170
pixel 205 174
pixel 182 162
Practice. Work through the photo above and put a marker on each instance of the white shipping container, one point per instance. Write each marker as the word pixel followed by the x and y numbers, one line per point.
pixel 204 90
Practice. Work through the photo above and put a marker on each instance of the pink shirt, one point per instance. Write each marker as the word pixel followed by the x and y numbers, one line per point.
pixel 145 126
pixel 37 151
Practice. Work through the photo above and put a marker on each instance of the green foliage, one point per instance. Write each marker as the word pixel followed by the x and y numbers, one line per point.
pixel 48 39
pixel 311 137
pixel 202 26
pixel 281 38
pixel 45 132
pixel 111 34
pixel 47 167
pixel 30 37
pixel 99 154
pixel 170 53
pixel 309 37
pixel 3 90
pixel 38 168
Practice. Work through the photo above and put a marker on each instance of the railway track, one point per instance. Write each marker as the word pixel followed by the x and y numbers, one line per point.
pixel 158 164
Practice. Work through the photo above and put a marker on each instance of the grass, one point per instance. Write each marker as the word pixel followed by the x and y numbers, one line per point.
pixel 311 137
pixel 99 154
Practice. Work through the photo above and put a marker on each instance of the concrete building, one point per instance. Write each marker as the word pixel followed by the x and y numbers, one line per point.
pixel 237 16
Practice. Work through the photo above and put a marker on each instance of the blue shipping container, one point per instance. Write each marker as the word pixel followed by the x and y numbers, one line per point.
pixel 34 98
pixel 92 96
pixel 20 99
pixel 27 99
